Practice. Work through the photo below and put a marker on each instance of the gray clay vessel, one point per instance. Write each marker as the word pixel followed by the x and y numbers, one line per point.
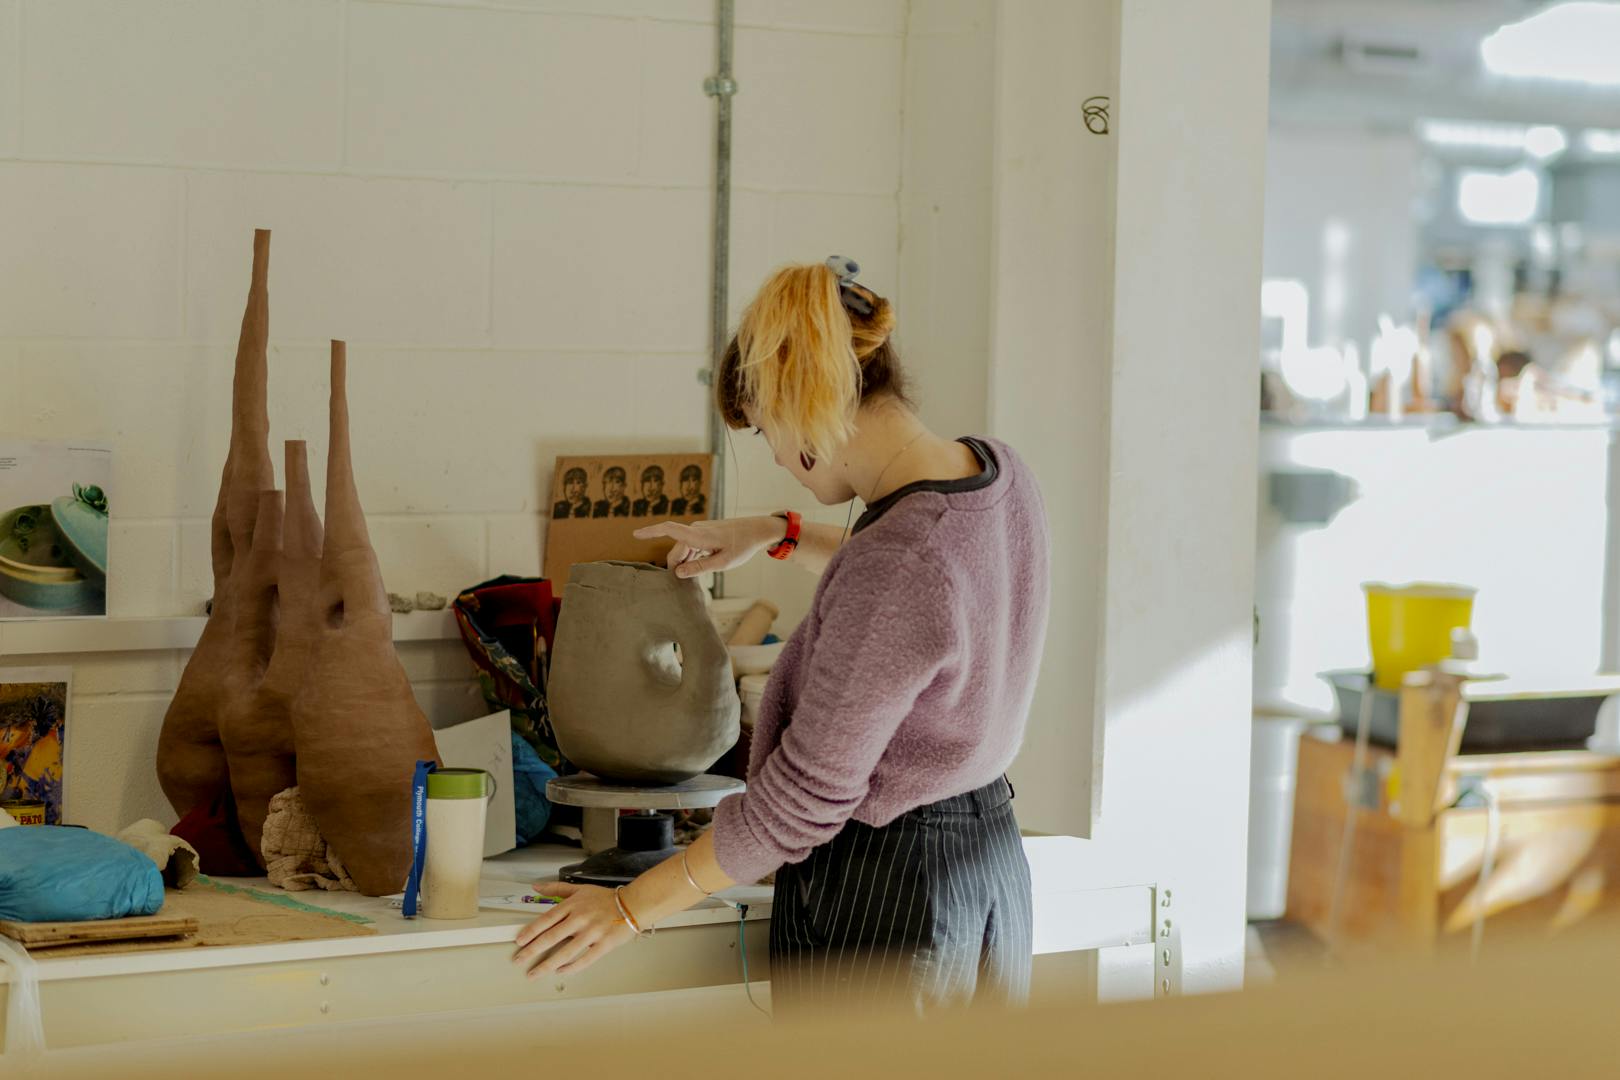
pixel 641 689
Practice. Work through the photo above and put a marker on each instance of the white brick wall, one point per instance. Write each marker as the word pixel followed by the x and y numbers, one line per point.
pixel 446 90
pixel 90 252
pixel 503 205
pixel 229 82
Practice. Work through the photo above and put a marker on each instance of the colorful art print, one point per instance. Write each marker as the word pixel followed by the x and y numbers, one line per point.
pixel 598 502
pixel 54 529
pixel 33 734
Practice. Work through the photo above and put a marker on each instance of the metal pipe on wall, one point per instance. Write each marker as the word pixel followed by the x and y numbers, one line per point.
pixel 720 86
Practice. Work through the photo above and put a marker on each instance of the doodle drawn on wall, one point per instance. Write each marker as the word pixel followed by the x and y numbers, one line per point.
pixel 1094 111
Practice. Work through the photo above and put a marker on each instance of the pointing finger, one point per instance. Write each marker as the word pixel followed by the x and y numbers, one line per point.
pixel 668 530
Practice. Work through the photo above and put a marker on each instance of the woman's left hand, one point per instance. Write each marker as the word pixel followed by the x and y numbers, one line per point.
pixel 572 935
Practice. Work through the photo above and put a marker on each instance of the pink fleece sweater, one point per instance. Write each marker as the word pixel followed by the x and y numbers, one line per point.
pixel 910 679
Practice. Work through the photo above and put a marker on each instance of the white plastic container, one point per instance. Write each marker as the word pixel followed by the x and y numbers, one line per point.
pixel 457 800
pixel 1273 773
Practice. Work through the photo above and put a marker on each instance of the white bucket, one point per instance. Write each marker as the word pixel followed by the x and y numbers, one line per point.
pixel 1273 774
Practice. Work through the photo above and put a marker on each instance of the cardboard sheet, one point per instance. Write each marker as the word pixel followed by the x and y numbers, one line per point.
pixel 598 502
pixel 486 743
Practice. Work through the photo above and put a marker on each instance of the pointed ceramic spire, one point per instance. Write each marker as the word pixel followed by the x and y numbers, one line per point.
pixel 302 534
pixel 191 761
pixel 345 520
pixel 299 583
pixel 249 460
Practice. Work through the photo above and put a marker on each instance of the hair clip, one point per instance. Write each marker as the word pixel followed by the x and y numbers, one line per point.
pixel 846 268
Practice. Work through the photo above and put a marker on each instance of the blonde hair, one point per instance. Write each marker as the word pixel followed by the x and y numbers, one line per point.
pixel 804 362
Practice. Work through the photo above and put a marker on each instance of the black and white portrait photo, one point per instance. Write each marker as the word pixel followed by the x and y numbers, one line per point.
pixel 653 501
pixel 614 502
pixel 691 502
pixel 575 503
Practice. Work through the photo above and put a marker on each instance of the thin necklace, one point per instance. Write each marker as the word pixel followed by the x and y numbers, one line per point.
pixel 877 487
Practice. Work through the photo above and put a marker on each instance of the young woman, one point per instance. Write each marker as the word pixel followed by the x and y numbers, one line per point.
pixel 875 786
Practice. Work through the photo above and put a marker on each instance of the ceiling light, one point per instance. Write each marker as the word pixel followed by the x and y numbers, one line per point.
pixel 1597 141
pixel 1568 42
pixel 1544 141
pixel 1498 198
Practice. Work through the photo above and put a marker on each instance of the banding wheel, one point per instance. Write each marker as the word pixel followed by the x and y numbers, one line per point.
pixel 646 836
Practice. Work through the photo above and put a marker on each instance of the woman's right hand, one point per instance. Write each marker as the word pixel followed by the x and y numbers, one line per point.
pixel 715 546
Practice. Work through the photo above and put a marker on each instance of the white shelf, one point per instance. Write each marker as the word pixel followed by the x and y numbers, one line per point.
pixel 39 637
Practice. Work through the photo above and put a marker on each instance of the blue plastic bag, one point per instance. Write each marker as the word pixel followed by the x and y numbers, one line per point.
pixel 50 873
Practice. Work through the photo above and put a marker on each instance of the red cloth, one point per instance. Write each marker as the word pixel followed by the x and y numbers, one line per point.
pixel 499 622
pixel 222 850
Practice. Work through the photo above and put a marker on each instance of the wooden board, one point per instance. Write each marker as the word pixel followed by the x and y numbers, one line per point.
pixel 1370 911
pixel 228 915
pixel 44 935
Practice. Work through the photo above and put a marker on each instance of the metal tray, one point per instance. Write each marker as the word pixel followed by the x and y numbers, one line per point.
pixel 1541 723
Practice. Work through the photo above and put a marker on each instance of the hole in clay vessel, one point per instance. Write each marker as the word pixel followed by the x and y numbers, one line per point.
pixel 664 659
pixel 334 615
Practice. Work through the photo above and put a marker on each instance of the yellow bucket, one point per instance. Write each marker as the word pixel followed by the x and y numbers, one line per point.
pixel 1409 626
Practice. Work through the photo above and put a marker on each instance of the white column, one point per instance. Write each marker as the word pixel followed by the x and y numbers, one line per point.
pixel 1051 316
pixel 1125 344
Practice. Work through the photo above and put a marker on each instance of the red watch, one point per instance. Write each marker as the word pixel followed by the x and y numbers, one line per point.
pixel 790 542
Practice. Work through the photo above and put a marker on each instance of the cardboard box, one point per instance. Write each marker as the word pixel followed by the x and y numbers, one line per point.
pixel 597 503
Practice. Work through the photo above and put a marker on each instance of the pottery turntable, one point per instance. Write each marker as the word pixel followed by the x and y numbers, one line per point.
pixel 646 835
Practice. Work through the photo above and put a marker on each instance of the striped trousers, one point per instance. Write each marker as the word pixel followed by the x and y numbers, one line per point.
pixel 930 910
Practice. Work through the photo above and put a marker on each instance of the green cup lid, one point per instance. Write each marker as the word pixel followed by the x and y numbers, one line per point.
pixel 458 784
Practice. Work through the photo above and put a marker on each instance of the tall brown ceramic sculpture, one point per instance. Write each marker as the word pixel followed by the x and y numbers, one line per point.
pixel 298 577
pixel 256 730
pixel 356 723
pixel 641 689
pixel 191 760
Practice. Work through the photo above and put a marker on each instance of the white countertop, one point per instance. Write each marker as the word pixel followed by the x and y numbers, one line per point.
pixel 1081 902
pixel 513 872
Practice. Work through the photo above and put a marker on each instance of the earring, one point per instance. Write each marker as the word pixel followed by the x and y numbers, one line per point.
pixel 807 461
